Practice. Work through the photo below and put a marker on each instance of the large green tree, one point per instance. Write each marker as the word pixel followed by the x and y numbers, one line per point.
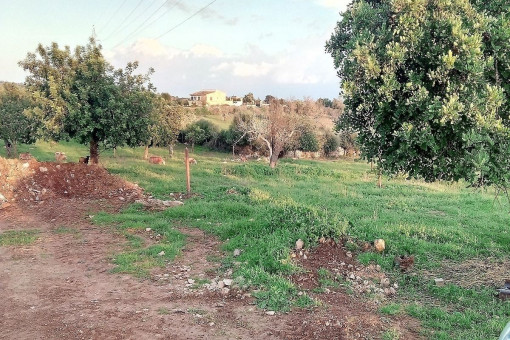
pixel 82 96
pixel 18 123
pixel 418 79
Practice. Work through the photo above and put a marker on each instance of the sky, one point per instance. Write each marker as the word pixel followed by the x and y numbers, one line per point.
pixel 265 47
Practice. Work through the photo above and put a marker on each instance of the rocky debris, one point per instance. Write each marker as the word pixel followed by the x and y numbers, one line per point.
pixel 35 181
pixel 379 245
pixel 439 282
pixel 299 244
pixel 504 293
pixel 237 252
pixel 157 204
pixel 404 262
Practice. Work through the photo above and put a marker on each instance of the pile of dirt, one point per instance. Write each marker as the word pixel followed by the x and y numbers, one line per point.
pixel 33 181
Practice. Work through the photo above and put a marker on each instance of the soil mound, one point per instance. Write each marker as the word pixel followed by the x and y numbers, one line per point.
pixel 32 181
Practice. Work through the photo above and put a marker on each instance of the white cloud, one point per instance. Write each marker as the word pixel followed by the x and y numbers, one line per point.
pixel 301 70
pixel 205 50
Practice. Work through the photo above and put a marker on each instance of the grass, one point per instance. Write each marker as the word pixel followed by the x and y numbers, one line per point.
pixel 18 237
pixel 138 259
pixel 269 209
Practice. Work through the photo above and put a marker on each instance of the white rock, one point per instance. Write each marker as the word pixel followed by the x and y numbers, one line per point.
pixel 227 282
pixel 270 312
pixel 43 169
pixel 237 252
pixel 191 281
pixel 148 229
pixel 161 253
pixel 385 282
pixel 299 244
pixel 221 284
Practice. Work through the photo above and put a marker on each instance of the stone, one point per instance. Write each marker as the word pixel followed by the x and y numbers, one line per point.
pixel 227 282
pixel 43 169
pixel 221 284
pixel 191 281
pixel 148 229
pixel 161 253
pixel 379 245
pixel 2 198
pixel 299 244
pixel 349 254
pixel 439 282
pixel 385 282
pixel 237 252
pixel 305 257
pixel 270 312
pixel 225 291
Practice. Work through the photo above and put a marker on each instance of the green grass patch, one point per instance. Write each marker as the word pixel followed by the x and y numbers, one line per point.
pixel 18 237
pixel 139 259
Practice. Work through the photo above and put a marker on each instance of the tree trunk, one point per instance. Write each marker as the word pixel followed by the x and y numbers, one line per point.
pixel 94 151
pixel 15 149
pixel 171 150
pixel 146 152
pixel 8 148
pixel 192 146
pixel 115 152
pixel 379 179
pixel 273 160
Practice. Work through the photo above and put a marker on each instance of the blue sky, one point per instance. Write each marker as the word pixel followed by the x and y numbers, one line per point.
pixel 265 47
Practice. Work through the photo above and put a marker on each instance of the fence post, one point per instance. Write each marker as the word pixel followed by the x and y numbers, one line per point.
pixel 188 178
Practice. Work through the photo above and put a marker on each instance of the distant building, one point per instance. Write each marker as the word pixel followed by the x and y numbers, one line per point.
pixel 209 97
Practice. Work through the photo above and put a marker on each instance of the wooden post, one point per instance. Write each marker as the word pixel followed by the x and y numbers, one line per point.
pixel 188 179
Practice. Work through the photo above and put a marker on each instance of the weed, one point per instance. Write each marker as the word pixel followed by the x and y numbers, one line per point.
pixel 163 311
pixel 18 237
pixel 391 334
pixel 391 309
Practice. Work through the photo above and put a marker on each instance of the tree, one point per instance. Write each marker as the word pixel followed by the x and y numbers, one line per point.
pixel 18 123
pixel 168 121
pixel 331 144
pixel 249 99
pixel 419 88
pixel 308 141
pixel 83 97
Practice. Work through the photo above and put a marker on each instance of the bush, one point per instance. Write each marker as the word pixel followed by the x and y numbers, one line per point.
pixel 331 143
pixel 308 142
pixel 201 132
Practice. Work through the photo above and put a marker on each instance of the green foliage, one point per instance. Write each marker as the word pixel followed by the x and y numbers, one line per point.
pixel 418 77
pixel 167 121
pixel 200 133
pixel 82 96
pixel 18 121
pixel 308 141
pixel 331 144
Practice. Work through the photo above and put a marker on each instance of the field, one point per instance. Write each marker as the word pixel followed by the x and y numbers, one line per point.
pixel 456 233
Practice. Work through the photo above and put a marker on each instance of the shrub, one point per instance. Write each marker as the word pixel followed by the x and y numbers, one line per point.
pixel 331 143
pixel 308 141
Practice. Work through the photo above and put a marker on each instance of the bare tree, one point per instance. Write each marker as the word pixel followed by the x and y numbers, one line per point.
pixel 275 126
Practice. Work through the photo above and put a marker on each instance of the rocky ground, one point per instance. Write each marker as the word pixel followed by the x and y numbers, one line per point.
pixel 61 287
